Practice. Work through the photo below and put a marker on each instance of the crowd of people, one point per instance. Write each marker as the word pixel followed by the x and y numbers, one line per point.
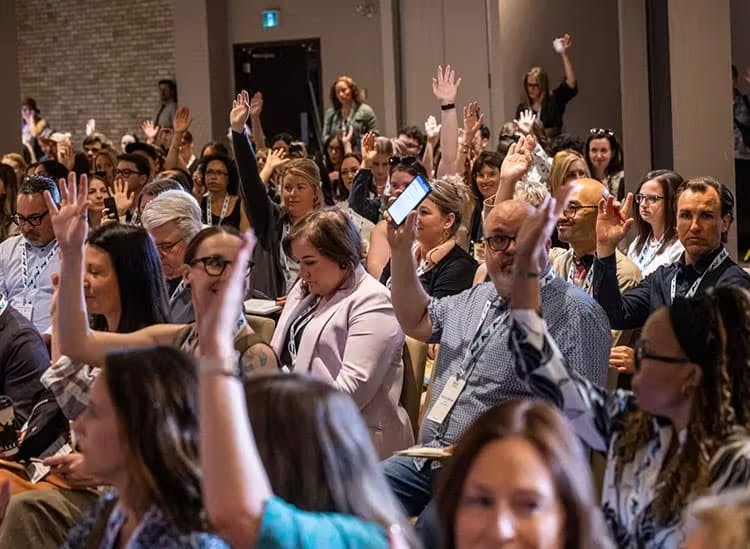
pixel 559 319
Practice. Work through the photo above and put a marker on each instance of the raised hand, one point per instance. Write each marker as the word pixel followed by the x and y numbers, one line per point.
pixel 150 129
pixel 164 138
pixel 368 149
pixel 65 154
pixel 123 198
pixel 518 160
pixel 525 122
pixel 276 158
pixel 612 224
pixel 218 319
pixel 432 129
pixel 70 218
pixel 565 42
pixel 347 137
pixel 445 86
pixel 473 119
pixel 182 120
pixel 256 104
pixel 401 238
pixel 90 126
pixel 240 112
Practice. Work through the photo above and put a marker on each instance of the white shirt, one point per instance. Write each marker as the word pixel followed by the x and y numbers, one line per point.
pixel 34 299
pixel 648 260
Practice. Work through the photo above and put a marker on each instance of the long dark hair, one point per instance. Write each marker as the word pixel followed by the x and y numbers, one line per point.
pixel 317 450
pixel 616 162
pixel 233 175
pixel 8 205
pixel 485 158
pixel 546 429
pixel 143 295
pixel 670 181
pixel 160 430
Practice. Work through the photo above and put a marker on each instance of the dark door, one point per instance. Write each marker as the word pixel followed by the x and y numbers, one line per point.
pixel 288 75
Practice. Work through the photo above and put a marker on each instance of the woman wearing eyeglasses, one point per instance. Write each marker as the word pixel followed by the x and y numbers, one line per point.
pixel 604 159
pixel 680 432
pixel 655 220
pixel 208 261
pixel 222 205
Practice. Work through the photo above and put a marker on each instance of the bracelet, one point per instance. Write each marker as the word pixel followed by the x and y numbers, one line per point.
pixel 224 366
pixel 448 107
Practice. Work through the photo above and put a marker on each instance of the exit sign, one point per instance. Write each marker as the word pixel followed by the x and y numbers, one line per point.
pixel 271 18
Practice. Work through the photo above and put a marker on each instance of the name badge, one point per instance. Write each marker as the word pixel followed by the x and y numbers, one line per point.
pixel 447 399
pixel 26 310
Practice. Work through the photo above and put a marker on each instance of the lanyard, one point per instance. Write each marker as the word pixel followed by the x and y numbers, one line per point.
pixel 298 326
pixel 177 290
pixel 649 251
pixel 586 286
pixel 210 213
pixel 480 338
pixel 718 260
pixel 3 304
pixel 30 282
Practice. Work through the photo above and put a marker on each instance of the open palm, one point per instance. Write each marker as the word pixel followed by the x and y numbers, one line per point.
pixel 240 112
pixel 445 86
pixel 518 160
pixel 182 119
pixel 70 219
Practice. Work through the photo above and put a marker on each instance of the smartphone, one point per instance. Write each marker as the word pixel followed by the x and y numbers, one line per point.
pixel 410 199
pixel 111 206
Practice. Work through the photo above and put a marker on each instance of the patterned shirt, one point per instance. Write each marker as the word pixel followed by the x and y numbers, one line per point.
pixel 575 319
pixel 597 418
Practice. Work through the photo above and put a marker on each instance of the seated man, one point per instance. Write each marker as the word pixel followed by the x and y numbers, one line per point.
pixel 704 213
pixel 475 369
pixel 23 360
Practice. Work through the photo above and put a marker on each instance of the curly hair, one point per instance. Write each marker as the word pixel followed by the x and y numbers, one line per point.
pixel 699 329
pixel 357 95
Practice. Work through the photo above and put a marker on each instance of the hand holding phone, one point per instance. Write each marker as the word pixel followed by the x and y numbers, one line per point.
pixel 410 199
pixel 111 206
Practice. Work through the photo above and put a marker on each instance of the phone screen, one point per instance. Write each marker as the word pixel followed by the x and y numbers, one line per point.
pixel 412 197
pixel 111 206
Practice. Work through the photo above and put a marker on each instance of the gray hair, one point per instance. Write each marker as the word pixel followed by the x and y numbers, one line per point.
pixel 532 192
pixel 177 206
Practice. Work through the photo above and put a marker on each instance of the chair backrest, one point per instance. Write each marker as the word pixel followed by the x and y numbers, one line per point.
pixel 261 325
pixel 415 358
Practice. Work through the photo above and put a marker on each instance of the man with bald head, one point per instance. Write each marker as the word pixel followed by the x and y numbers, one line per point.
pixel 577 227
pixel 475 369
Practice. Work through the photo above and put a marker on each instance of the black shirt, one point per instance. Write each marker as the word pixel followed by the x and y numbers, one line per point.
pixel 630 309
pixel 553 109
pixel 452 275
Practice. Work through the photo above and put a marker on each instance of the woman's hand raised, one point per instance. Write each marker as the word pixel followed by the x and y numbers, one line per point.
pixel 70 218
pixel 240 112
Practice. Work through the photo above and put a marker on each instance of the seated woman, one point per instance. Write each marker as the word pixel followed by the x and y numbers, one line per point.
pixel 333 471
pixel 339 325
pixel 98 191
pixel 222 204
pixel 124 292
pixel 300 193
pixel 656 222
pixel 680 432
pixel 374 175
pixel 444 268
pixel 484 182
pixel 209 259
pixel 605 160
pixel 342 190
pixel 149 454
pixel 541 497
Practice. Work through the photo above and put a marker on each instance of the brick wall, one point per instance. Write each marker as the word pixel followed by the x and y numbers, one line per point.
pixel 98 59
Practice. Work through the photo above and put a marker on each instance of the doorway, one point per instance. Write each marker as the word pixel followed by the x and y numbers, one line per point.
pixel 289 76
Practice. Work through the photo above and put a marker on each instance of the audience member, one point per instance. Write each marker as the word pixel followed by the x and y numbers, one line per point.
pixel 604 158
pixel 414 139
pixel 98 191
pixel 8 192
pixel 222 204
pixel 567 165
pixel 338 323
pixel 348 110
pixel 28 260
pixel 719 522
pixel 16 161
pixel 168 96
pixel 132 173
pixel 374 173
pixel 104 165
pixel 92 145
pixel 655 216
pixel 32 126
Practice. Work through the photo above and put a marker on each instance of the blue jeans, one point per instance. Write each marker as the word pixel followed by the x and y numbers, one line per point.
pixel 414 489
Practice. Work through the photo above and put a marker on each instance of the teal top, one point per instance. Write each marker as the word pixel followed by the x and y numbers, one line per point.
pixel 286 527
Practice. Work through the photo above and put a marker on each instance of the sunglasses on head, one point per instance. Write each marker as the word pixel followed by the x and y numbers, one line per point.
pixel 407 161
pixel 601 132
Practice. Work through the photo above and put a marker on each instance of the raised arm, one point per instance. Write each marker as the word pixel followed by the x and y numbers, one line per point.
pixel 359 199
pixel 76 339
pixel 515 166
pixel 473 119
pixel 445 88
pixel 257 203
pixel 570 76
pixel 182 122
pixel 409 298
pixel 235 485
pixel 274 159
pixel 432 130
pixel 256 128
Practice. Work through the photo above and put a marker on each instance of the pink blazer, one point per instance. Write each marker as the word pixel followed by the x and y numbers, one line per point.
pixel 355 343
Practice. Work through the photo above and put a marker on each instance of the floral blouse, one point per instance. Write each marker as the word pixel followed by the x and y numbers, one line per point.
pixel 596 415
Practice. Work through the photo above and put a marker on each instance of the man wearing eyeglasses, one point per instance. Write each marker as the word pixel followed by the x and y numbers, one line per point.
pixel 28 260
pixel 577 227
pixel 134 170
pixel 475 368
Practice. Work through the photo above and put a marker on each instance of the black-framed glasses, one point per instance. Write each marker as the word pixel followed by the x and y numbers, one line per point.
pixel 33 220
pixel 639 353
pixel 499 242
pixel 216 173
pixel 647 198
pixel 126 173
pixel 571 210
pixel 215 265
pixel 407 161
pixel 166 247
pixel 601 132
